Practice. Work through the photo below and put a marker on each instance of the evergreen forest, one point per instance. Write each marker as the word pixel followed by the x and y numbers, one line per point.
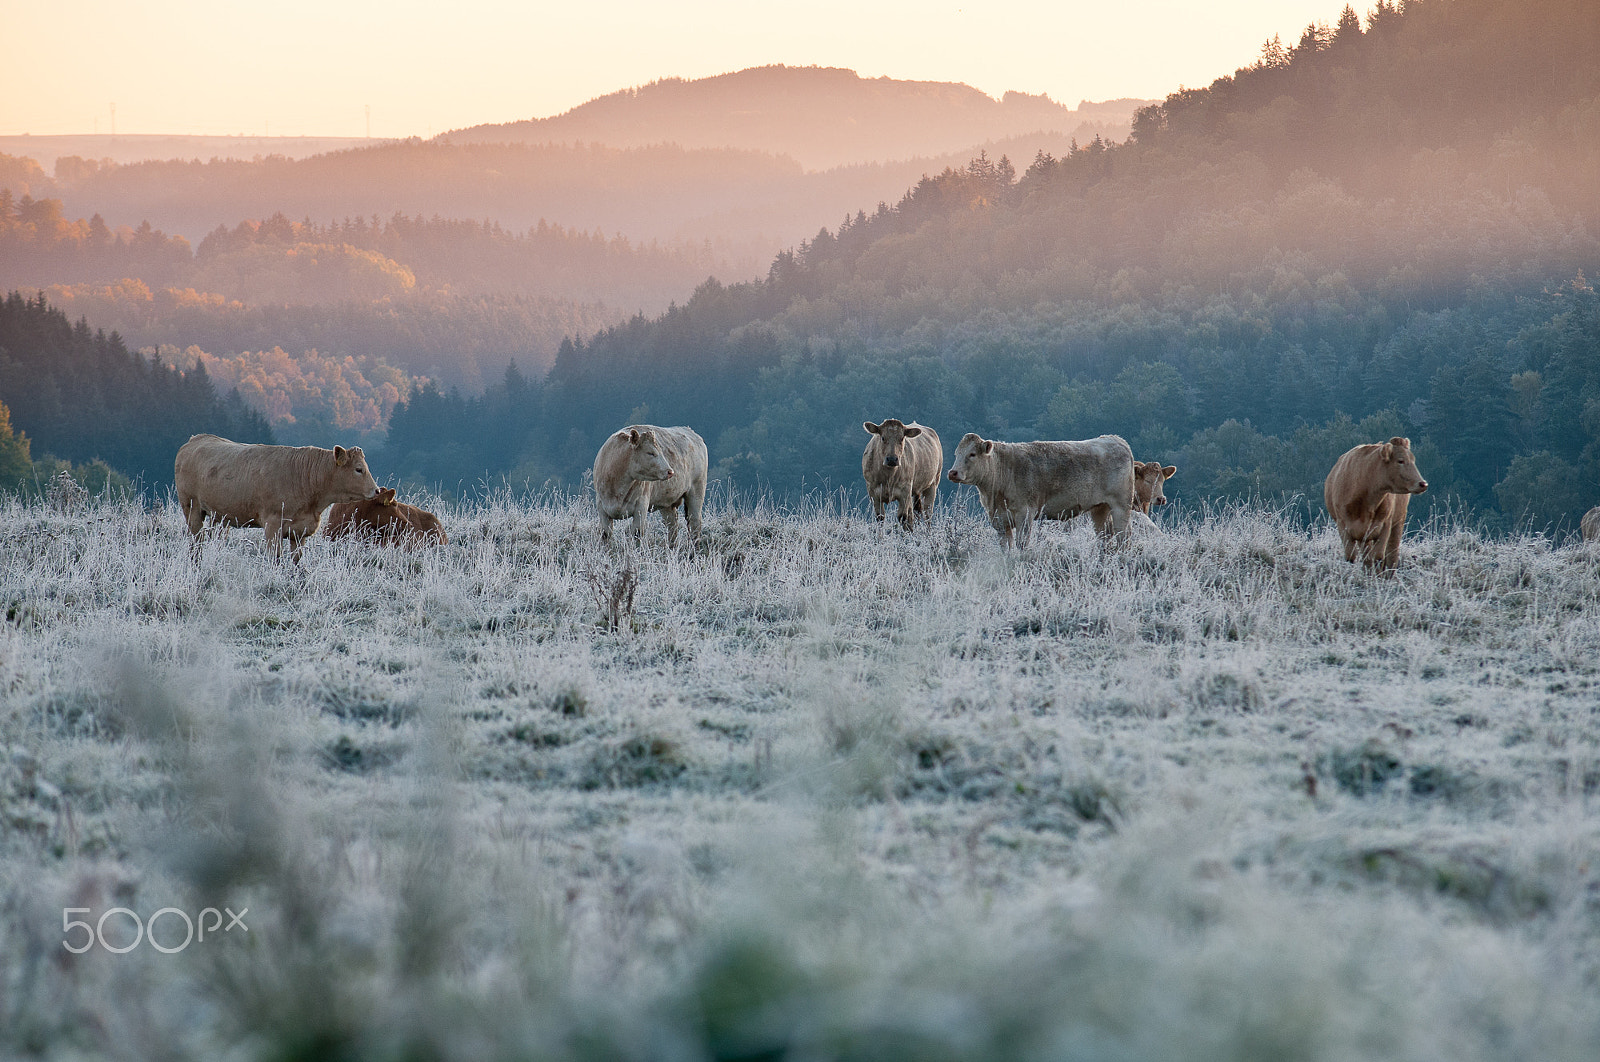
pixel 1383 228
pixel 1388 226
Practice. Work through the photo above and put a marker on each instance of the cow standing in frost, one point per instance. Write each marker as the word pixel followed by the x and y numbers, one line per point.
pixel 1020 483
pixel 281 489
pixel 901 464
pixel 643 467
pixel 1367 494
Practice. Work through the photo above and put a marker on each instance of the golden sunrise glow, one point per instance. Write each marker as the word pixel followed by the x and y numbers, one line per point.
pixel 302 68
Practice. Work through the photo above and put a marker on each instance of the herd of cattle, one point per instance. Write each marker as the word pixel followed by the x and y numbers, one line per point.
pixel 285 489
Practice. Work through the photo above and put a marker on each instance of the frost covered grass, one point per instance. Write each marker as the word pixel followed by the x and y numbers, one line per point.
pixel 822 790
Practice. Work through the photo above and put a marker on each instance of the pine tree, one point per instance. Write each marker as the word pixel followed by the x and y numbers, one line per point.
pixel 1349 27
pixel 16 462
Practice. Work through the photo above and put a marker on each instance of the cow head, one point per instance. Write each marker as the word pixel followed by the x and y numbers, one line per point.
pixel 352 480
pixel 385 496
pixel 974 456
pixel 1148 480
pixel 645 458
pixel 1401 467
pixel 893 435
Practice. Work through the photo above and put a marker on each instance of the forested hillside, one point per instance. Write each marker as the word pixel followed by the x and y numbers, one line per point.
pixel 278 261
pixel 821 116
pixel 431 297
pixel 81 396
pixel 1388 222
pixel 450 259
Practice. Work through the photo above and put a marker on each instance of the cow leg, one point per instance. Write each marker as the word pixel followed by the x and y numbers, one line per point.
pixel 1101 516
pixel 640 511
pixel 273 526
pixel 1391 550
pixel 669 516
pixel 1350 545
pixel 1000 520
pixel 694 504
pixel 1111 521
pixel 926 499
pixel 1025 528
pixel 1372 550
pixel 1120 515
pixel 194 514
pixel 879 508
pixel 194 517
pixel 907 516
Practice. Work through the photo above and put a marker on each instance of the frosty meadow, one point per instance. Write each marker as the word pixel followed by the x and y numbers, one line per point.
pixel 823 790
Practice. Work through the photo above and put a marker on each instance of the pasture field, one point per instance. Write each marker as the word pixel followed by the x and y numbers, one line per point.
pixel 825 790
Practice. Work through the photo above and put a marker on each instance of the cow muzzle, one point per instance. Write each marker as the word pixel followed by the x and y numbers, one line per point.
pixel 1423 489
pixel 955 477
pixel 892 461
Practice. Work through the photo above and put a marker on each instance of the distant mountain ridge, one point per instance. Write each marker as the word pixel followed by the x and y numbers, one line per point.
pixel 821 116
pixel 142 147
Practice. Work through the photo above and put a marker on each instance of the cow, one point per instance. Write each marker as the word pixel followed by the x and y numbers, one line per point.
pixel 280 489
pixel 901 464
pixel 1020 483
pixel 643 467
pixel 391 522
pixel 1591 524
pixel 1148 479
pixel 1367 493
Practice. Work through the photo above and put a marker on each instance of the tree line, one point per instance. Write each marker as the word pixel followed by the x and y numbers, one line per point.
pixel 1219 289
pixel 80 396
pixel 459 340
pixel 1226 309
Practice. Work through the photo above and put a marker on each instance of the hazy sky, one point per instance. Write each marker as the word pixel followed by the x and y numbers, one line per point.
pixel 299 67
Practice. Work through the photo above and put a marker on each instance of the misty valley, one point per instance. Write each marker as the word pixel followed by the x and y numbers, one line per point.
pixel 473 777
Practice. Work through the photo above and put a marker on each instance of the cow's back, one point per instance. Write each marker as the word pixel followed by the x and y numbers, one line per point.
pixel 927 457
pixel 1350 482
pixel 343 518
pixel 683 449
pixel 686 452
pixel 611 469
pixel 424 524
pixel 226 478
pixel 390 522
pixel 1591 524
pixel 244 481
pixel 200 457
pixel 1064 478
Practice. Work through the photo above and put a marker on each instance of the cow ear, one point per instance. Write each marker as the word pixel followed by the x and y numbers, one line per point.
pixel 633 436
pixel 341 456
pixel 912 433
pixel 871 427
pixel 1388 451
pixel 1169 471
pixel 387 496
pixel 988 446
pixel 1400 441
